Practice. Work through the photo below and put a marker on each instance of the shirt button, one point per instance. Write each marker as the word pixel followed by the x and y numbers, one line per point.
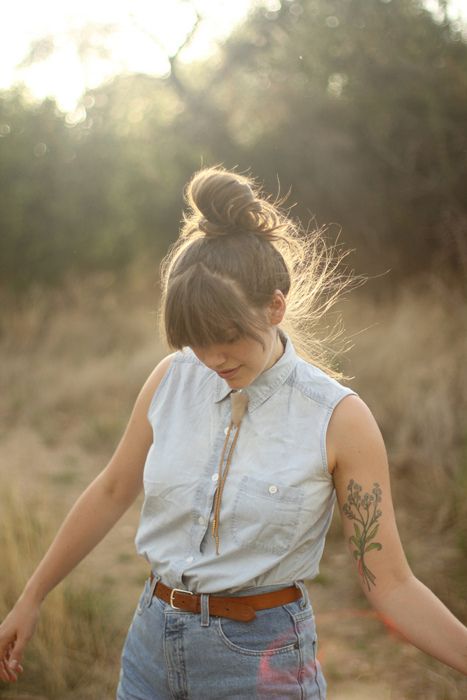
pixel 189 559
pixel 215 477
pixel 273 489
pixel 201 520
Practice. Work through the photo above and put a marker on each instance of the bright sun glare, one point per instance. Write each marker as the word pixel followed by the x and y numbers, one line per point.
pixel 133 35
pixel 140 35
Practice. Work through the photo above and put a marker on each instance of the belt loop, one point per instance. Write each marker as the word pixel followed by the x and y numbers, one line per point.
pixel 304 598
pixel 204 609
pixel 154 582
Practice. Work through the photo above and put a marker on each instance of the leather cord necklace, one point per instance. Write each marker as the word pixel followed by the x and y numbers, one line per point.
pixel 239 401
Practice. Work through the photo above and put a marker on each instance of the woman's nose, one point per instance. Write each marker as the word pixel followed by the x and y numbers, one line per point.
pixel 214 358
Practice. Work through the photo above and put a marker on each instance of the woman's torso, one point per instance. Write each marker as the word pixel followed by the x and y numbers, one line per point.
pixel 278 498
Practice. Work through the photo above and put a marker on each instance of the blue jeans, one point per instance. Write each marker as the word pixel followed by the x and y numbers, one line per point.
pixel 169 654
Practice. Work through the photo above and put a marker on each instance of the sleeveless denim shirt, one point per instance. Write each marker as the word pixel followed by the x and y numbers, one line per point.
pixel 279 496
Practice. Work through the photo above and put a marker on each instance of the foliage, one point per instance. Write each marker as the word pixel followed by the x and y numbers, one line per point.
pixel 57 199
pixel 358 107
pixel 361 107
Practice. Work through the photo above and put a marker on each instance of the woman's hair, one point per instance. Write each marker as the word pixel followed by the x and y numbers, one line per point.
pixel 236 247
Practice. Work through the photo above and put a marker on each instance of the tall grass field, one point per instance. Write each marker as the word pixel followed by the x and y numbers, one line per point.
pixel 72 363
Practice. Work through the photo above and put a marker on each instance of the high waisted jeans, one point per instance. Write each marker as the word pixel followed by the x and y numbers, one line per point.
pixel 173 655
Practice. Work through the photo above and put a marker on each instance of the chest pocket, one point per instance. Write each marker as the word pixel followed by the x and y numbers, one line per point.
pixel 266 515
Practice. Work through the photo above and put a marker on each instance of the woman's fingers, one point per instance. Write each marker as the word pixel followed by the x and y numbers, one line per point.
pixel 15 632
pixel 6 673
pixel 10 662
pixel 9 674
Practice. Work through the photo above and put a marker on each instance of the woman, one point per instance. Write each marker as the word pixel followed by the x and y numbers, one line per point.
pixel 242 442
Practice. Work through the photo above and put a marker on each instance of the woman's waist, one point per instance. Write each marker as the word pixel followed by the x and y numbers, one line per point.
pixel 221 586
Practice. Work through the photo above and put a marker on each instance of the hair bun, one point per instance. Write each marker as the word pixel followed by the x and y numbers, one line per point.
pixel 210 228
pixel 224 203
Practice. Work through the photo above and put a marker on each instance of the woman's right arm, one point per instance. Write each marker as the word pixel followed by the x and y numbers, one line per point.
pixel 95 512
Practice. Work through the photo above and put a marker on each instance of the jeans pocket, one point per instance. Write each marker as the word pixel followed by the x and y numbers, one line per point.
pixel 272 631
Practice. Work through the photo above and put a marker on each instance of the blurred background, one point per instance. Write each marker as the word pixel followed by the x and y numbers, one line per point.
pixel 359 108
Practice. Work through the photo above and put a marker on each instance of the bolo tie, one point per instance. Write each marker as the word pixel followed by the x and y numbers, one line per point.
pixel 239 403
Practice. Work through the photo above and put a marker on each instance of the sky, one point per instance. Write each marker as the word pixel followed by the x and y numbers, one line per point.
pixel 141 35
pixel 129 44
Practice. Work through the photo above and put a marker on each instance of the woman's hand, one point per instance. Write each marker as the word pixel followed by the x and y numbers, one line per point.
pixel 15 631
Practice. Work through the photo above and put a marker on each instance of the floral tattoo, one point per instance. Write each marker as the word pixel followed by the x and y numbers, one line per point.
pixel 364 510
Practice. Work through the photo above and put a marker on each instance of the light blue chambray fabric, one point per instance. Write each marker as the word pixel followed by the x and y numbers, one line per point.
pixel 278 498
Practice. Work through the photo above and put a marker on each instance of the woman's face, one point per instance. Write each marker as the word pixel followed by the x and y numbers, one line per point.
pixel 241 360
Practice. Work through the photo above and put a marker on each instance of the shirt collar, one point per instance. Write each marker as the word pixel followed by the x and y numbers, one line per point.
pixel 266 383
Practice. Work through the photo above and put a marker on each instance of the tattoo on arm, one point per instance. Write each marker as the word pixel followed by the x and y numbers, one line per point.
pixel 363 510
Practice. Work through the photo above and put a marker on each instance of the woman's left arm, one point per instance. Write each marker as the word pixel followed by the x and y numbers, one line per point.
pixel 358 462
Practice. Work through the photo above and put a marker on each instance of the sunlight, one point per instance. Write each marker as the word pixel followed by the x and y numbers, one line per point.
pixel 92 41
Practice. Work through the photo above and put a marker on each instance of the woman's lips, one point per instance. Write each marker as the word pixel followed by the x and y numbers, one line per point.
pixel 229 373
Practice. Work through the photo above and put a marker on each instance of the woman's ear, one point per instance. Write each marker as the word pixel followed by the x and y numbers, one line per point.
pixel 276 307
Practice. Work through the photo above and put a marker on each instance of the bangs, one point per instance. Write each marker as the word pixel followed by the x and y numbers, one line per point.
pixel 202 308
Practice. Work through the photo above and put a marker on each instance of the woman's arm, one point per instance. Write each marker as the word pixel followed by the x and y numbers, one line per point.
pixel 358 461
pixel 95 512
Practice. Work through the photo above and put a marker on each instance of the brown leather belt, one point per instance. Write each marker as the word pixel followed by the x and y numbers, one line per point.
pixel 240 608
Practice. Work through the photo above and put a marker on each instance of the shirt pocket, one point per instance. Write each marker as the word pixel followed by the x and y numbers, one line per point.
pixel 266 515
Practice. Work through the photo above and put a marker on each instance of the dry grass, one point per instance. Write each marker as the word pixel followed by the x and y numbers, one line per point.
pixel 73 652
pixel 411 370
pixel 73 363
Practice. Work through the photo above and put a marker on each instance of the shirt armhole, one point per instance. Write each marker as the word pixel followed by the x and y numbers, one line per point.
pixel 324 457
pixel 159 388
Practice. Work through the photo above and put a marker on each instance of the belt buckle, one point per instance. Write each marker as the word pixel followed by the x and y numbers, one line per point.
pixel 177 590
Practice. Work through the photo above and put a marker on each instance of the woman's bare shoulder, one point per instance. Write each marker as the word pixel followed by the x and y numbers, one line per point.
pixel 351 423
pixel 154 380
